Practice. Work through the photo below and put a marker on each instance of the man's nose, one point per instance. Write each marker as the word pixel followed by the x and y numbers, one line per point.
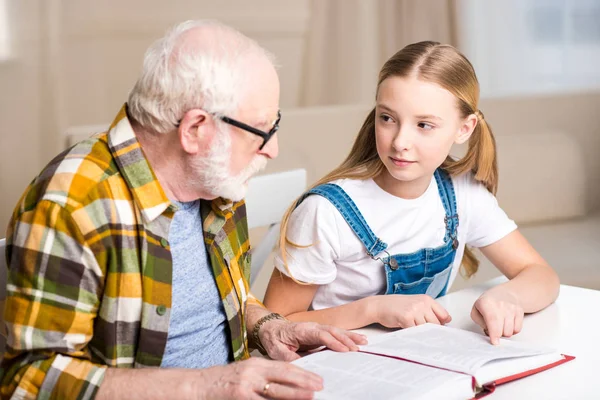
pixel 271 149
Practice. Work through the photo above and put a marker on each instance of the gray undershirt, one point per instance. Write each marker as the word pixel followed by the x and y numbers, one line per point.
pixel 198 333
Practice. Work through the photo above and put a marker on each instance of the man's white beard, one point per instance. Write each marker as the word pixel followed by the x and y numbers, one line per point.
pixel 213 170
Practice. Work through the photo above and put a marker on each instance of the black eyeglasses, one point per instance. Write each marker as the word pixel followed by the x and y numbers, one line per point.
pixel 265 135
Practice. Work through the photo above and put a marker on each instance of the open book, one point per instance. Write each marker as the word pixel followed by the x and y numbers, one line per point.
pixel 427 362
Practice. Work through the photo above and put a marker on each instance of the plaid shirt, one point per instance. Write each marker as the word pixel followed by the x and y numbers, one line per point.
pixel 90 269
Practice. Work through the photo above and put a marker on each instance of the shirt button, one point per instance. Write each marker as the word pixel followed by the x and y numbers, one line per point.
pixel 161 310
pixel 164 243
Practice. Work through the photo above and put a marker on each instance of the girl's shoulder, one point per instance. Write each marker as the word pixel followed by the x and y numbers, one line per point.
pixel 471 194
pixel 482 220
pixel 473 197
pixel 353 184
pixel 466 183
pixel 354 188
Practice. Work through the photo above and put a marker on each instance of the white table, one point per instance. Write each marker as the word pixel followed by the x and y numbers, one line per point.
pixel 571 326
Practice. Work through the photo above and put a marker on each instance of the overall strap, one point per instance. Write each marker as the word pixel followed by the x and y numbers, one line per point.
pixel 340 199
pixel 448 197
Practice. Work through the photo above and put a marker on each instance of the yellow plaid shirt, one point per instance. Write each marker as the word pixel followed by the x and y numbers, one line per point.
pixel 90 269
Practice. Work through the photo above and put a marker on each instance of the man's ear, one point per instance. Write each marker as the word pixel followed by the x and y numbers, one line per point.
pixel 194 129
pixel 466 129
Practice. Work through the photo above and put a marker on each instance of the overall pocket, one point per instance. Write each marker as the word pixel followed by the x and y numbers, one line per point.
pixel 432 286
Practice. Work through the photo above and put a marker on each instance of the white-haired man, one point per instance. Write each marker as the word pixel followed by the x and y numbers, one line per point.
pixel 131 248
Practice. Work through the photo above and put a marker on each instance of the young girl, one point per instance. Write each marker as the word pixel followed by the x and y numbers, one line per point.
pixel 382 235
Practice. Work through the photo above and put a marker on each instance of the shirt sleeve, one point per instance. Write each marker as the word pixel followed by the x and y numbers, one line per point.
pixel 52 301
pixel 312 229
pixel 488 223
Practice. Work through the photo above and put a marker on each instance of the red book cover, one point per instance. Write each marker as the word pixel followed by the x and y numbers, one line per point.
pixel 491 387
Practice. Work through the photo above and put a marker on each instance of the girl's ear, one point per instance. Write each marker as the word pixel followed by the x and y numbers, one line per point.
pixel 466 129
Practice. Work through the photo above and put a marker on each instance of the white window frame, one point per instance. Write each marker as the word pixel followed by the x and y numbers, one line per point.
pixel 517 51
pixel 5 37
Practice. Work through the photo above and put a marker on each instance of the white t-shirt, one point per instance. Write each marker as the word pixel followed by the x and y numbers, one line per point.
pixel 337 259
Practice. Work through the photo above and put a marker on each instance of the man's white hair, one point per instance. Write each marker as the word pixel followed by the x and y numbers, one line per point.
pixel 178 74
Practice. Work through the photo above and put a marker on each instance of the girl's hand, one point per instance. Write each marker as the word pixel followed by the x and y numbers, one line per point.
pixel 499 313
pixel 404 311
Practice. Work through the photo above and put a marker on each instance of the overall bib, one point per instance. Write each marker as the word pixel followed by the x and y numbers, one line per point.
pixel 425 271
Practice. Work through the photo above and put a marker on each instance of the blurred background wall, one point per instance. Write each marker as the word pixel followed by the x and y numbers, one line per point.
pixel 72 62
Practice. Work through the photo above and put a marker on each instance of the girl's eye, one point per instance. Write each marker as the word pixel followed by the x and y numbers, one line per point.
pixel 425 126
pixel 385 118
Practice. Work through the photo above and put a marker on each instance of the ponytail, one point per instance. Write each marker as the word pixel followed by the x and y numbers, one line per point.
pixel 480 158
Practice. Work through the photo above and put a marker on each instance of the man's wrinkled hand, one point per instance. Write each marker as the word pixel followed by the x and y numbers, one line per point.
pixel 282 339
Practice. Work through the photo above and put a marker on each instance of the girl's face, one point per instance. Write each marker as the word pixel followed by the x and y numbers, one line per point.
pixel 416 123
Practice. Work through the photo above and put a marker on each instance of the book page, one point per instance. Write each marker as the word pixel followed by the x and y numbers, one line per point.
pixel 504 368
pixel 449 348
pixel 355 375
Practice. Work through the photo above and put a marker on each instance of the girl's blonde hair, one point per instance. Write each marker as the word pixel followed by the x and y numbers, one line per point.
pixel 447 67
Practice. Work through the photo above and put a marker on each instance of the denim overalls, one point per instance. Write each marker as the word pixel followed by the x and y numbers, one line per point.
pixel 425 271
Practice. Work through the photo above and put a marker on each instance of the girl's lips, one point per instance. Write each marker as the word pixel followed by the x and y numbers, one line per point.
pixel 401 162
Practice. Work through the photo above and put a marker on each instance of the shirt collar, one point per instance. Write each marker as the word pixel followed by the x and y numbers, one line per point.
pixel 137 172
pixel 135 168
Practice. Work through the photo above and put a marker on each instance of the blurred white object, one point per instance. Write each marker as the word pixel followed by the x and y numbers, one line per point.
pixel 268 198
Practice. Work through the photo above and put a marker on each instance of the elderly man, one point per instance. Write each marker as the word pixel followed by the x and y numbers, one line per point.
pixel 131 248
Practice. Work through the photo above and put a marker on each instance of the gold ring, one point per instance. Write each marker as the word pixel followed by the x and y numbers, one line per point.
pixel 266 388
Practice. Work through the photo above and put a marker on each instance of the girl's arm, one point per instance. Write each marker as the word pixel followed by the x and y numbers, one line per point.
pixel 532 280
pixel 292 300
pixel 532 286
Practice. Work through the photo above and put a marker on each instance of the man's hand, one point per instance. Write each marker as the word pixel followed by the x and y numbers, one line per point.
pixel 499 313
pixel 282 339
pixel 256 378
